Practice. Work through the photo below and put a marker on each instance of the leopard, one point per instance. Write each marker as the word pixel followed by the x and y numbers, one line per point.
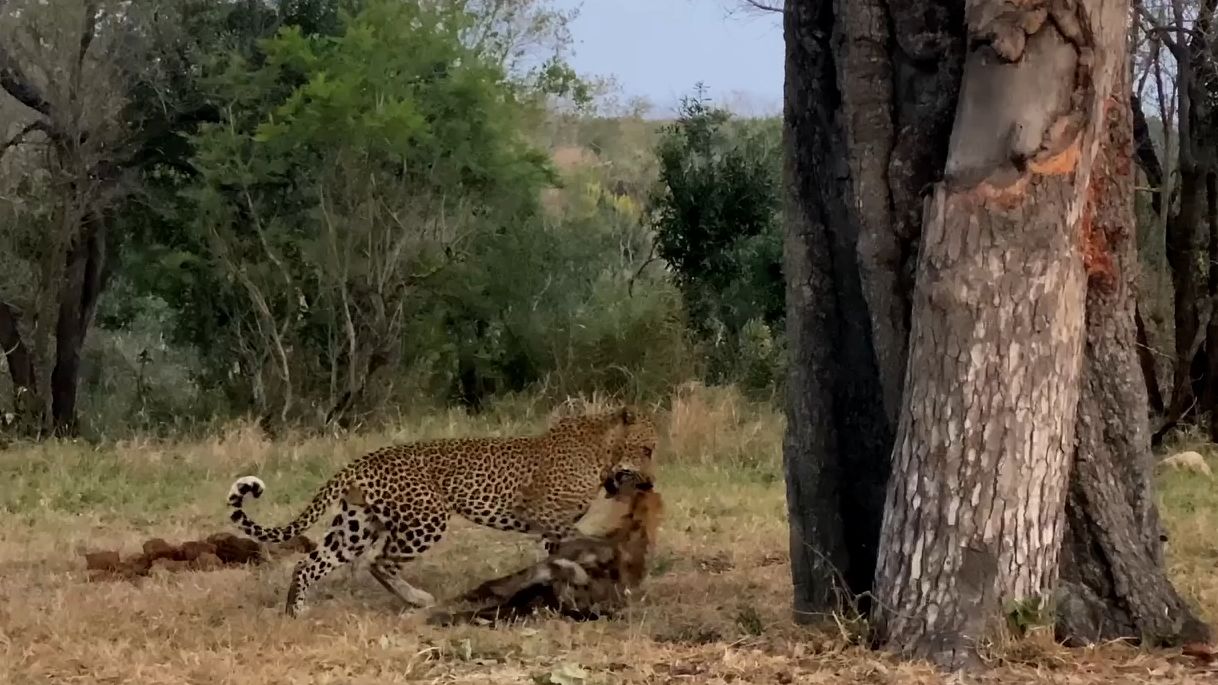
pixel 587 577
pixel 401 497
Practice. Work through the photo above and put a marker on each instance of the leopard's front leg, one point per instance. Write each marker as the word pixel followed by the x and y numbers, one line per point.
pixel 555 521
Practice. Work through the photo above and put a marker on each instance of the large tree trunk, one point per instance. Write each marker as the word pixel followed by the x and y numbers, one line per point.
pixel 1113 584
pixel 870 92
pixel 835 451
pixel 974 515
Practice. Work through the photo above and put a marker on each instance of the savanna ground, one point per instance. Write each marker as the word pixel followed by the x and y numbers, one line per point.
pixel 715 609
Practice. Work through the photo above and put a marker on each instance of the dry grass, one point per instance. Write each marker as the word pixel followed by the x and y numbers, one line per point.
pixel 715 608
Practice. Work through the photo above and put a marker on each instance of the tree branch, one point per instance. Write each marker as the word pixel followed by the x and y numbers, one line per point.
pixel 19 138
pixel 776 6
pixel 1144 151
pixel 15 82
pixel 87 32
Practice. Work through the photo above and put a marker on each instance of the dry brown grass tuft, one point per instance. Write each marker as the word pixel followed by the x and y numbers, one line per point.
pixel 715 609
pixel 716 426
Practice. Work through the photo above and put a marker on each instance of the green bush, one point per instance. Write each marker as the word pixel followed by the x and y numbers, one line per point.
pixel 717 221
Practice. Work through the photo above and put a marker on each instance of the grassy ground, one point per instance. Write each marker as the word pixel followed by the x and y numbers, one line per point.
pixel 715 609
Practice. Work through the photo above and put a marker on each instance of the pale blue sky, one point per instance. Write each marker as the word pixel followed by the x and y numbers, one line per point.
pixel 659 49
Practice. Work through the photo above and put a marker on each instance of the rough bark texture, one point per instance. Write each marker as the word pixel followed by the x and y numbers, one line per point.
pixel 835 450
pixel 870 93
pixel 898 88
pixel 1113 584
pixel 974 515
pixel 864 77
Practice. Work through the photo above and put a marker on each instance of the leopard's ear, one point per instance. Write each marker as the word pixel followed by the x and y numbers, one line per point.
pixel 628 416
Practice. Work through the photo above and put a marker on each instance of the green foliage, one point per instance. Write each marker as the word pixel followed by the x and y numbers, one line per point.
pixel 351 208
pixel 345 173
pixel 1024 616
pixel 348 219
pixel 567 299
pixel 716 217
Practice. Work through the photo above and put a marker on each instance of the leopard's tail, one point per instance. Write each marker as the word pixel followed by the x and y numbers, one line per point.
pixel 252 485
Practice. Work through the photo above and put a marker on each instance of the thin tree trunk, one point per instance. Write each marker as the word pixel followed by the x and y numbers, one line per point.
pixel 1183 246
pixel 20 368
pixel 974 515
pixel 1146 360
pixel 1113 584
pixel 84 279
pixel 1147 157
pixel 1208 379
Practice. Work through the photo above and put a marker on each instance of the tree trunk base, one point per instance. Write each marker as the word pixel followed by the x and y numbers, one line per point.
pixel 1113 585
pixel 1112 581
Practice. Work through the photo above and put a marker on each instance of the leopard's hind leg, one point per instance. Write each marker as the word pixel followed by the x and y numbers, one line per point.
pixel 351 533
pixel 410 530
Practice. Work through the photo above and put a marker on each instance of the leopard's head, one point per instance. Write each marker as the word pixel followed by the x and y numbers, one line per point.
pixel 632 441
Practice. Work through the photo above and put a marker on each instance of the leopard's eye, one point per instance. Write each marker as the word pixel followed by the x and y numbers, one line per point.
pixel 646 451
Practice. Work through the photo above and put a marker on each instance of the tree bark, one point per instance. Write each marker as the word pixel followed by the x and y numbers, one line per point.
pixel 975 509
pixel 84 278
pixel 1197 74
pixel 838 435
pixel 1148 160
pixel 1146 360
pixel 20 363
pixel 1113 585
pixel 870 93
pixel 1147 157
pixel 864 74
pixel 1183 246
